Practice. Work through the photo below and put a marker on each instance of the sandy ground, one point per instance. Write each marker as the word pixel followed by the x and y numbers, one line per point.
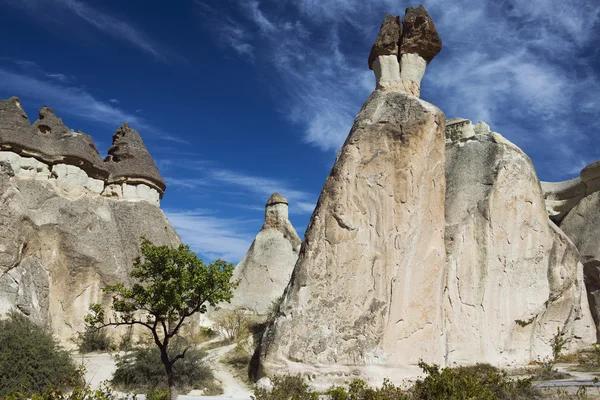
pixel 101 366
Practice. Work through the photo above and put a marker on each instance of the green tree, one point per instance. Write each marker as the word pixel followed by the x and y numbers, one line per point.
pixel 171 285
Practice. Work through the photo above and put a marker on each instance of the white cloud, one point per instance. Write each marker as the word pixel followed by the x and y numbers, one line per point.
pixel 517 65
pixel 74 101
pixel 300 201
pixel 211 236
pixel 114 101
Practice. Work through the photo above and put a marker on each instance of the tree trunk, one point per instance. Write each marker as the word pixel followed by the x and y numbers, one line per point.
pixel 172 391
pixel 164 356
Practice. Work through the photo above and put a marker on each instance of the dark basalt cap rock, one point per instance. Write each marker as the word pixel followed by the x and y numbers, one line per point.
pixel 276 198
pixel 388 39
pixel 48 139
pixel 420 35
pixel 128 160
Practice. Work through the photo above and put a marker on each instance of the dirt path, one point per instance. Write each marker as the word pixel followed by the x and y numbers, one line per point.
pixel 232 387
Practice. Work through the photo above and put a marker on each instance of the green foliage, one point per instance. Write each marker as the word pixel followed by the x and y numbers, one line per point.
pixel 157 394
pixel 78 391
pixel 31 361
pixel 232 325
pixel 286 388
pixel 91 340
pixel 141 370
pixel 481 382
pixel 559 342
pixel 171 285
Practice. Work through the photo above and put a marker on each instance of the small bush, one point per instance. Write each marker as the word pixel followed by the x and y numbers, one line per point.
pixel 286 388
pixel 94 340
pixel 481 382
pixel 31 360
pixel 141 370
pixel 158 394
pixel 232 325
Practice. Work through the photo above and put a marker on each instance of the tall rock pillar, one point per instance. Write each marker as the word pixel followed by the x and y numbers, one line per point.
pixel 365 298
pixel 265 270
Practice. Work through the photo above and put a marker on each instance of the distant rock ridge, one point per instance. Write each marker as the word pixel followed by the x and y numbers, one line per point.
pixel 265 270
pixel 47 149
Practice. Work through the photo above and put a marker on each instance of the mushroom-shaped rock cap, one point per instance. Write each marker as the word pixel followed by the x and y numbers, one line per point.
pixel 128 160
pixel 48 123
pixel 388 39
pixel 48 139
pixel 276 198
pixel 420 35
pixel 12 116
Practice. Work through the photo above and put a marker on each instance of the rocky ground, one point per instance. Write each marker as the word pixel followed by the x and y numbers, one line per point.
pixel 100 367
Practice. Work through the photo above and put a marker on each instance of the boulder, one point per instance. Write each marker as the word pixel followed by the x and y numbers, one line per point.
pixel 265 270
pixel 513 277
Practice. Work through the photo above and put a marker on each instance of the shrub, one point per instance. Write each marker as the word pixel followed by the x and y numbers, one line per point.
pixel 142 370
pixel 286 388
pixel 92 340
pixel 232 325
pixel 481 381
pixel 559 342
pixel 31 361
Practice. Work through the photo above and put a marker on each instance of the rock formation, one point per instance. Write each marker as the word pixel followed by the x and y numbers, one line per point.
pixel 265 270
pixel 70 223
pixel 374 246
pixel 428 242
pixel 399 56
pixel 513 277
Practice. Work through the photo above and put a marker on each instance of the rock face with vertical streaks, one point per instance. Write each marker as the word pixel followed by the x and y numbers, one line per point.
pixel 70 223
pixel 513 277
pixel 366 294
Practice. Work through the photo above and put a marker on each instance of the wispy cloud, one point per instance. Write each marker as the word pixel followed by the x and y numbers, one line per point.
pixel 114 101
pixel 212 236
pixel 253 190
pixel 520 65
pixel 108 24
pixel 74 101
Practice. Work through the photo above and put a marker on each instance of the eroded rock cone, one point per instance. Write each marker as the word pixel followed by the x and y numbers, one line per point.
pixel 129 160
pixel 265 270
pixel 513 277
pixel 366 293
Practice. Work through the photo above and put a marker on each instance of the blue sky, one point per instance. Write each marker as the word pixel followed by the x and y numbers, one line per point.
pixel 239 98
